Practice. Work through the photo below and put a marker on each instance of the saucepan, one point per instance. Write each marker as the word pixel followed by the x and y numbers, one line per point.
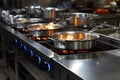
pixel 23 22
pixel 52 13
pixel 43 29
pixel 74 40
pixel 80 19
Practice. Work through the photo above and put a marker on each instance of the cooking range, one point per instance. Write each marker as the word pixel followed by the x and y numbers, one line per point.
pixel 38 57
pixel 99 47
pixel 102 44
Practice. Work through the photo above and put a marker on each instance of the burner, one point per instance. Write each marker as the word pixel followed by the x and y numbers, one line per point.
pixel 38 38
pixel 25 30
pixel 22 30
pixel 51 46
pixel 66 52
pixel 101 45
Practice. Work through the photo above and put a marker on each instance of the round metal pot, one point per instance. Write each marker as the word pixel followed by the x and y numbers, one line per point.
pixel 27 20
pixel 52 13
pixel 83 19
pixel 74 40
pixel 18 11
pixel 21 23
pixel 40 29
pixel 33 9
pixel 80 19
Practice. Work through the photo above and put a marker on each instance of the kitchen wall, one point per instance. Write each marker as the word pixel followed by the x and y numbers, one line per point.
pixel 46 3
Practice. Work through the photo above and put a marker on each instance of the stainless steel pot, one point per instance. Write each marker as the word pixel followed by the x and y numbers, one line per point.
pixel 34 10
pixel 23 22
pixel 27 20
pixel 85 19
pixel 80 19
pixel 52 13
pixel 74 40
pixel 18 11
pixel 43 29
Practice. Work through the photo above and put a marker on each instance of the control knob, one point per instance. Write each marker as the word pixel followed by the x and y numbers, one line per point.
pixel 24 47
pixel 38 59
pixel 45 66
pixel 20 44
pixel 30 53
pixel 15 41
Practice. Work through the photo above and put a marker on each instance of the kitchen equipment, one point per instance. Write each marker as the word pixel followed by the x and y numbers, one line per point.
pixel 41 60
pixel 18 11
pixel 43 29
pixel 74 40
pixel 27 20
pixel 23 22
pixel 84 20
pixel 51 13
pixel 33 9
pixel 5 14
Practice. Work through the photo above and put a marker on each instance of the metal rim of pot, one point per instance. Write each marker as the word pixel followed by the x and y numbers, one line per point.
pixel 74 44
pixel 21 23
pixel 52 12
pixel 41 26
pixel 18 11
pixel 80 19
pixel 35 29
pixel 34 9
pixel 54 8
pixel 27 20
pixel 85 15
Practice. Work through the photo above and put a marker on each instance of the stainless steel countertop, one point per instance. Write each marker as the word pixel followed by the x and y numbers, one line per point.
pixel 104 65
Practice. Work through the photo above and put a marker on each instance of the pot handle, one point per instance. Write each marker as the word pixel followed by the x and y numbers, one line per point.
pixel 101 26
pixel 51 38
pixel 95 28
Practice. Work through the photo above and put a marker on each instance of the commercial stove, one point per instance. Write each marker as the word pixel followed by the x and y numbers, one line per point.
pixel 41 60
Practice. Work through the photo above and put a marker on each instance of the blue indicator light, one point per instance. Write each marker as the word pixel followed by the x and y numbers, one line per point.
pixel 31 53
pixel 48 66
pixel 21 45
pixel 15 40
pixel 39 59
pixel 25 48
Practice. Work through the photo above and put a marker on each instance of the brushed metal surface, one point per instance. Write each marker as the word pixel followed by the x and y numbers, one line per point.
pixel 104 65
